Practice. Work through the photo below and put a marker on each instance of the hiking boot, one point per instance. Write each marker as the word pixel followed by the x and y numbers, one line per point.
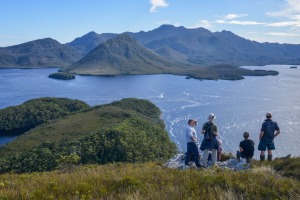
pixel 269 157
pixel 262 158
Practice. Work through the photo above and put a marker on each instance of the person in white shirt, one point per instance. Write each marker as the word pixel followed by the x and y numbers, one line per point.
pixel 191 139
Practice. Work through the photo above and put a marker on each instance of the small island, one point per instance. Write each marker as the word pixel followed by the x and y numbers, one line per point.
pixel 62 76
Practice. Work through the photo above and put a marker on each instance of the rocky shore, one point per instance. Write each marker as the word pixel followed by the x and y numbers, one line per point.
pixel 177 162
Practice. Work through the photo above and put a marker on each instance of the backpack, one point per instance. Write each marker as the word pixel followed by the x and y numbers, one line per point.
pixel 208 135
pixel 270 129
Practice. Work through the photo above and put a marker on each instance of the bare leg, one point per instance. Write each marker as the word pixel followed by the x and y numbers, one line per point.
pixel 213 156
pixel 204 158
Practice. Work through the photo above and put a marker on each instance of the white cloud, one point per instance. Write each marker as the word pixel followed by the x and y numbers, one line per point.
pixel 156 4
pixel 234 16
pixel 283 34
pixel 292 7
pixel 237 22
pixel 228 19
pixel 291 12
pixel 202 23
pixel 283 24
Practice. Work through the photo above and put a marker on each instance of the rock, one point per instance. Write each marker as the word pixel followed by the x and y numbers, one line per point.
pixel 177 162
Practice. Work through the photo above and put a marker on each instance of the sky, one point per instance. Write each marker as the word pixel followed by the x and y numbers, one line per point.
pixel 64 20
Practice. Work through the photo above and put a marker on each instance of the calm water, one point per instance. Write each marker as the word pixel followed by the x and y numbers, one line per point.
pixel 239 105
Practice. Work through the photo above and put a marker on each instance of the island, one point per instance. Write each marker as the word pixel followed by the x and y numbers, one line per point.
pixel 123 55
pixel 62 76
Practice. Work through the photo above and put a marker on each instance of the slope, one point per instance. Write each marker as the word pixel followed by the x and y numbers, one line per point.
pixel 89 41
pixel 120 55
pixel 37 54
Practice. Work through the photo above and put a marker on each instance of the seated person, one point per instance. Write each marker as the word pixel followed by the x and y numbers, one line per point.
pixel 246 148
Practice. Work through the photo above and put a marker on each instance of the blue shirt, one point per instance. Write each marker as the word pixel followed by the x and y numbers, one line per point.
pixel 190 132
pixel 269 127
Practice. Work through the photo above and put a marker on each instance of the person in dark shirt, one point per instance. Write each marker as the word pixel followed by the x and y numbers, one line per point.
pixel 246 148
pixel 268 132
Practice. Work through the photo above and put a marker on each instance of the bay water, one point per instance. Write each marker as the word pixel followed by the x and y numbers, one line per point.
pixel 238 105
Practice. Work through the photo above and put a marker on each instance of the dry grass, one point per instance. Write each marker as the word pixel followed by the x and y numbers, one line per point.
pixel 147 181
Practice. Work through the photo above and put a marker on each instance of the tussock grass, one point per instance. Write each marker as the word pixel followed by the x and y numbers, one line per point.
pixel 147 181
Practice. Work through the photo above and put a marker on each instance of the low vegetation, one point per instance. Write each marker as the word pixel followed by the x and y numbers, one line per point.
pixel 148 181
pixel 117 151
pixel 126 131
pixel 38 111
pixel 62 76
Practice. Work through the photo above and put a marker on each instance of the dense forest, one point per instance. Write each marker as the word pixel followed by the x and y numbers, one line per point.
pixel 137 135
pixel 38 111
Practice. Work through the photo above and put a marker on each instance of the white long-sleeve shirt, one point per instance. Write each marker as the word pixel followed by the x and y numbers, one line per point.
pixel 190 132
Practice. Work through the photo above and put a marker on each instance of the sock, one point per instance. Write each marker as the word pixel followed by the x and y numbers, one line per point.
pixel 269 157
pixel 262 158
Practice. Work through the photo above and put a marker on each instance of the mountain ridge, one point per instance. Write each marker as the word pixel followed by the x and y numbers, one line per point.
pixel 197 47
pixel 200 46
pixel 120 55
pixel 39 53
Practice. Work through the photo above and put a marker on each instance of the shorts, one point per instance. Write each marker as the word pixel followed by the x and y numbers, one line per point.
pixel 263 145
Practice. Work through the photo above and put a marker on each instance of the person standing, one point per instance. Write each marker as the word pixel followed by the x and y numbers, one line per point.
pixel 246 148
pixel 209 141
pixel 191 138
pixel 220 149
pixel 268 132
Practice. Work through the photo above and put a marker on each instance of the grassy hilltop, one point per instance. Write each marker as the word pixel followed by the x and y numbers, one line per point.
pixel 117 151
pixel 152 181
pixel 129 130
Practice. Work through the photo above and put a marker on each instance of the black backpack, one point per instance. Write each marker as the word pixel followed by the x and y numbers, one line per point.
pixel 270 129
pixel 208 135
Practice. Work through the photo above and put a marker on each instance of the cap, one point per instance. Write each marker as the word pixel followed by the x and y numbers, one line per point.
pixel 192 120
pixel 211 116
pixel 268 114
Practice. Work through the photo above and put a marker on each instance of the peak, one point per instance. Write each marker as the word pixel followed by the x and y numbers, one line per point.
pixel 91 33
pixel 124 36
pixel 167 26
pixel 227 32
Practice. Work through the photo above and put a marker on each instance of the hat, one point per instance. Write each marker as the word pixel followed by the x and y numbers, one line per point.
pixel 192 120
pixel 268 114
pixel 211 116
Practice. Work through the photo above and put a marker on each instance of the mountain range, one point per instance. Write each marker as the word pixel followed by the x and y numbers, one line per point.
pixel 202 47
pixel 36 54
pixel 197 47
pixel 121 55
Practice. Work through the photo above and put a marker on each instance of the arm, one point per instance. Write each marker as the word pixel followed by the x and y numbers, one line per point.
pixel 277 133
pixel 262 130
pixel 261 134
pixel 241 149
pixel 190 134
pixel 203 129
pixel 277 130
pixel 216 131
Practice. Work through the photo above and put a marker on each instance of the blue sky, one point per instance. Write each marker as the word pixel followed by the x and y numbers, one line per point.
pixel 64 20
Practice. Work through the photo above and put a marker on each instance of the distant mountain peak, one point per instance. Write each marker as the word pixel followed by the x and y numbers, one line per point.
pixel 120 55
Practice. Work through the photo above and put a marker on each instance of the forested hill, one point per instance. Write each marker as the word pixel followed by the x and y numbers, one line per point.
pixel 129 130
pixel 37 111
